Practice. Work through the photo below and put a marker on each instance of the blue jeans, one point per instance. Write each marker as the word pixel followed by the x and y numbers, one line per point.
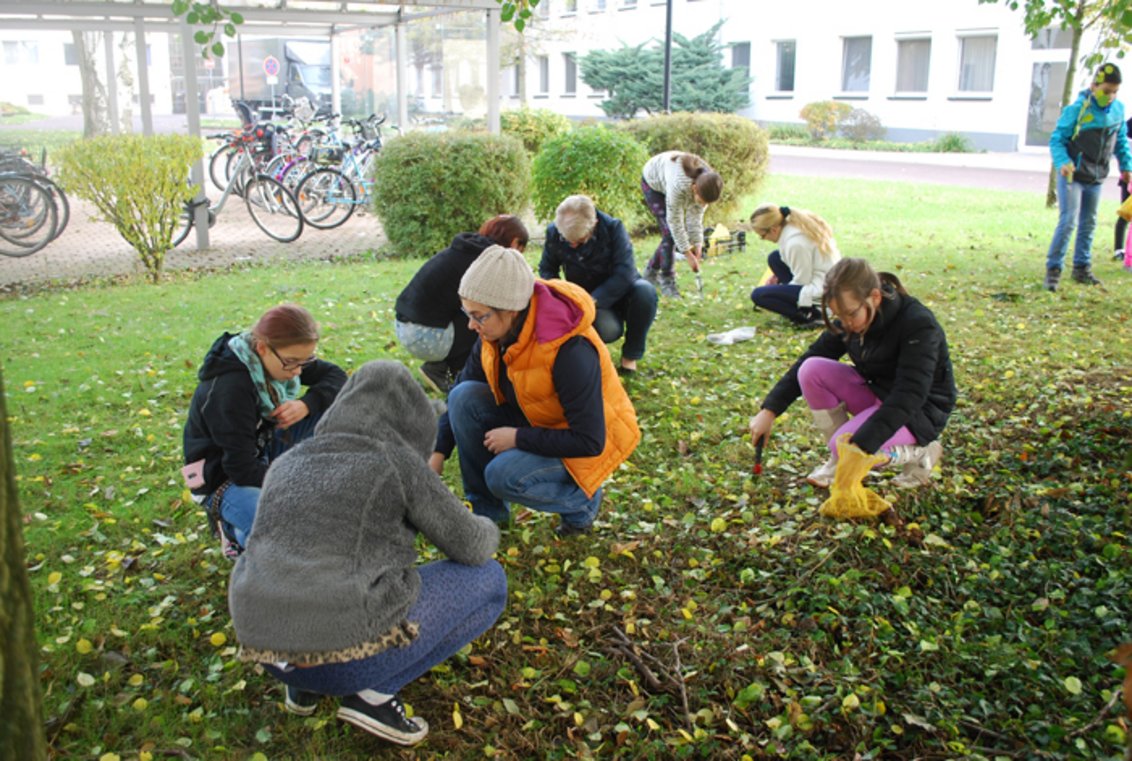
pixel 634 314
pixel 491 481
pixel 456 604
pixel 238 504
pixel 1077 205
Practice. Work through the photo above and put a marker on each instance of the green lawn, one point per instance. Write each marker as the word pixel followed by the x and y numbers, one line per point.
pixel 979 632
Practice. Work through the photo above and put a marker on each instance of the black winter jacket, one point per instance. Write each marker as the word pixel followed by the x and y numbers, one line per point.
pixel 431 297
pixel 903 357
pixel 224 426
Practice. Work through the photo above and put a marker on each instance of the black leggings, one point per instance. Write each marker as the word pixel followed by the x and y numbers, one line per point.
pixel 1121 223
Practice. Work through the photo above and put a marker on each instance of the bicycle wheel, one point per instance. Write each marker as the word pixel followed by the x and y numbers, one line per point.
pixel 28 216
pixel 220 164
pixel 62 205
pixel 300 167
pixel 273 208
pixel 327 198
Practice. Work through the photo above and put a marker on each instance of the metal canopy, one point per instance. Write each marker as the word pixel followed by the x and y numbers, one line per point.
pixel 268 17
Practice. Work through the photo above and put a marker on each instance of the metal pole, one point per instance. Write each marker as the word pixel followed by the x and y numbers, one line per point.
pixel 189 52
pixel 668 58
pixel 401 38
pixel 493 22
pixel 111 84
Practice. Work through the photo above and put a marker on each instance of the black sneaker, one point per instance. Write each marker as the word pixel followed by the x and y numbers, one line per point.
pixel 300 702
pixel 388 720
pixel 438 375
pixel 564 529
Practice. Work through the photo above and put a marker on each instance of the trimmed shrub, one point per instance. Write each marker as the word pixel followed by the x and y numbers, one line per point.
pixel 600 162
pixel 137 183
pixel 534 126
pixel 787 132
pixel 952 142
pixel 734 146
pixel 823 117
pixel 861 126
pixel 429 186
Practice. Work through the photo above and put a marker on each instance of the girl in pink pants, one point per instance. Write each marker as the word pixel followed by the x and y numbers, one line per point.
pixel 898 392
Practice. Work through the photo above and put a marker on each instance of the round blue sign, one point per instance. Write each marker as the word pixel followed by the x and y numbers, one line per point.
pixel 271 66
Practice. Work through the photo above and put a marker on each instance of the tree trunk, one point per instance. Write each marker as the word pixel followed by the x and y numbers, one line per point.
pixel 95 117
pixel 21 717
pixel 1067 93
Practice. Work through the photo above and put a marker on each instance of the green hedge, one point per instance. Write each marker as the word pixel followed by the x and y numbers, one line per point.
pixel 734 146
pixel 431 185
pixel 534 126
pixel 602 163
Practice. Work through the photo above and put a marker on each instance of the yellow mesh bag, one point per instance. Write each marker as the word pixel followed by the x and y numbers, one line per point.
pixel 848 499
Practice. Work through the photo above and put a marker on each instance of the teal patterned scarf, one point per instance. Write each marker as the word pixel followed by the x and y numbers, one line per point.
pixel 272 393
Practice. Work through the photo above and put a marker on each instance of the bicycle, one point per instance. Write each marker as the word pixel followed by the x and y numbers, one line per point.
pixel 328 196
pixel 271 206
pixel 29 218
pixel 16 161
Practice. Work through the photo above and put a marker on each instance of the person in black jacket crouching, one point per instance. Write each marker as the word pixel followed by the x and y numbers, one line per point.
pixel 429 323
pixel 246 411
pixel 898 392
pixel 592 249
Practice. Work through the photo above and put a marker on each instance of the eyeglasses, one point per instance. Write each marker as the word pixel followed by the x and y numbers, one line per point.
pixel 291 364
pixel 846 317
pixel 762 232
pixel 478 319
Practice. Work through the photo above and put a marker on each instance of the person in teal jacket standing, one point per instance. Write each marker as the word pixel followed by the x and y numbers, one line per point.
pixel 1088 133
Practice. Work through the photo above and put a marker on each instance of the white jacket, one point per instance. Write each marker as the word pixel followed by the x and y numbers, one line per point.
pixel 685 217
pixel 801 254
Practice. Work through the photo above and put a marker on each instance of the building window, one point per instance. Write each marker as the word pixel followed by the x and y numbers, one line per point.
pixel 784 65
pixel 543 9
pixel 511 80
pixel 437 80
pixel 1052 39
pixel 70 57
pixel 571 61
pixel 35 100
pixel 597 6
pixel 21 53
pixel 856 61
pixel 543 74
pixel 976 63
pixel 741 56
pixel 913 58
pixel 569 6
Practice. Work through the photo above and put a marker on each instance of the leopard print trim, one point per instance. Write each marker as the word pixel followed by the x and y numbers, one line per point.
pixel 400 635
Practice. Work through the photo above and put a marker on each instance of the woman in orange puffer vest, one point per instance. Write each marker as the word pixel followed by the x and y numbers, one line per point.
pixel 538 414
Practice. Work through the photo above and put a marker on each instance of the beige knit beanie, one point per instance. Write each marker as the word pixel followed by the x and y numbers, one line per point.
pixel 499 278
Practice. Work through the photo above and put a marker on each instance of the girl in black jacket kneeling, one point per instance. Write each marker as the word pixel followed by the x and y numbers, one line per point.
pixel 898 392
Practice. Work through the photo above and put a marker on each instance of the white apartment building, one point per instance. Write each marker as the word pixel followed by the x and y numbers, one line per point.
pixel 924 67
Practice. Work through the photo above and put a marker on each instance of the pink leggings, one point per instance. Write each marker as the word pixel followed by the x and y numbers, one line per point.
pixel 827 383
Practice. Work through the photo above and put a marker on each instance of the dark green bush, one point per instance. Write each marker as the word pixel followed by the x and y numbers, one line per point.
pixel 734 146
pixel 600 162
pixel 428 186
pixel 137 183
pixel 534 126
pixel 861 126
pixel 823 117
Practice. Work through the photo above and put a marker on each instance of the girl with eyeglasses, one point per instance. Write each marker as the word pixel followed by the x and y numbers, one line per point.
pixel 247 410
pixel 895 396
pixel 806 250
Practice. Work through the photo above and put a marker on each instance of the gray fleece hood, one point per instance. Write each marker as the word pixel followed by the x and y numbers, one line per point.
pixel 382 401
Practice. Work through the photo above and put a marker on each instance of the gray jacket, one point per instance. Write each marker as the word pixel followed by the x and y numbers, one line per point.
pixel 330 565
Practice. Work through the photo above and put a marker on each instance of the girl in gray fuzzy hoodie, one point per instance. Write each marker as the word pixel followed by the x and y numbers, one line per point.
pixel 329 596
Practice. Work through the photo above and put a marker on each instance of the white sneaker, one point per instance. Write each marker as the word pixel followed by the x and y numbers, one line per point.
pixel 918 471
pixel 822 475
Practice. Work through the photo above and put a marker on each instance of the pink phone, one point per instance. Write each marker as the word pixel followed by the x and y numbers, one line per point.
pixel 193 474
